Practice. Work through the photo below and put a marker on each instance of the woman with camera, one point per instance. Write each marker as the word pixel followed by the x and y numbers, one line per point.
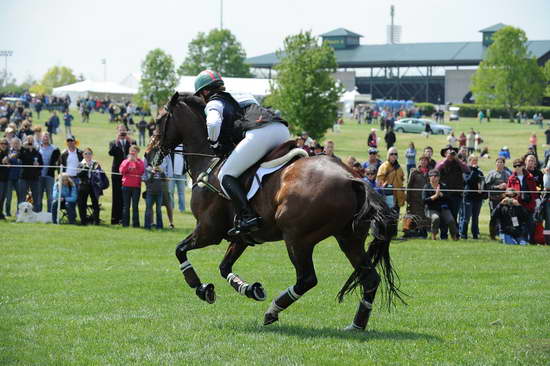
pixel 513 218
pixel 92 183
pixel 473 198
pixel 523 182
pixel 436 205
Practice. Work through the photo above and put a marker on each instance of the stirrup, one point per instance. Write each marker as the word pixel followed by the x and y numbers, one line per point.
pixel 247 225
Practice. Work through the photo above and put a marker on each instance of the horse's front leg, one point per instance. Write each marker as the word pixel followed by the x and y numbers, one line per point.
pixel 204 291
pixel 254 291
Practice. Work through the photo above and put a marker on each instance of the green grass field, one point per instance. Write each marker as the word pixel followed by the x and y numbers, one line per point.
pixel 108 295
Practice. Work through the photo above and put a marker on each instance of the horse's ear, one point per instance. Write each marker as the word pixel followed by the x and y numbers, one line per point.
pixel 174 99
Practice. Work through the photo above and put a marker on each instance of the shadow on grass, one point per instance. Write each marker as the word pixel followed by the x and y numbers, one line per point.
pixel 327 332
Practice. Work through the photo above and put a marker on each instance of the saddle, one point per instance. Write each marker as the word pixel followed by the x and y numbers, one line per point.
pixel 252 177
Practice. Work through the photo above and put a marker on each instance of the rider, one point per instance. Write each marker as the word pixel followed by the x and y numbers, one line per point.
pixel 222 110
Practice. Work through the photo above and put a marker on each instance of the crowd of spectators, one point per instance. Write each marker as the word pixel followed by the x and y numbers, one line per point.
pixel 30 161
pixel 447 196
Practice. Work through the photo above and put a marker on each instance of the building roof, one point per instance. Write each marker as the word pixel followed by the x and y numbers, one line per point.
pixel 340 32
pixel 408 54
pixel 493 28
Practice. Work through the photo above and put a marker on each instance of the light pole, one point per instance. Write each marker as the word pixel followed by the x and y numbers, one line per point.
pixel 104 62
pixel 221 14
pixel 6 54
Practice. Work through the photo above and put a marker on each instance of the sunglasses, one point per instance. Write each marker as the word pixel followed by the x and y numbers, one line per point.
pixel 393 154
pixel 372 153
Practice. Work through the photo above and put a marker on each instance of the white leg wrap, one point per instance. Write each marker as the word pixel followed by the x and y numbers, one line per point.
pixel 242 285
pixel 367 304
pixel 185 266
pixel 230 277
pixel 274 308
pixel 293 295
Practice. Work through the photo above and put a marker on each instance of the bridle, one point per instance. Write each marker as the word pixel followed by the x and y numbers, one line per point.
pixel 163 150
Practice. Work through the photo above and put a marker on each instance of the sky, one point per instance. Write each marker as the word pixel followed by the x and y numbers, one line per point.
pixel 79 34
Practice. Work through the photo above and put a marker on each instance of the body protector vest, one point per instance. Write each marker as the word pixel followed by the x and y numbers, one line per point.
pixel 238 120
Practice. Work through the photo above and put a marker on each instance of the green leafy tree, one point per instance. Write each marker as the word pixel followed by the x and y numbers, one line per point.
pixel 158 77
pixel 546 72
pixel 305 92
pixel 218 50
pixel 57 76
pixel 508 76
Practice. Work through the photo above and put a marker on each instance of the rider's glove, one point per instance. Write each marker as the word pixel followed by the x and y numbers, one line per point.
pixel 217 147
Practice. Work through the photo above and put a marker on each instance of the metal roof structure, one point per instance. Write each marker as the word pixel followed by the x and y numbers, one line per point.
pixel 408 54
pixel 341 32
pixel 493 28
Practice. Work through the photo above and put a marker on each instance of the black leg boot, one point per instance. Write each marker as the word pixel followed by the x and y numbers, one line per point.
pixel 247 219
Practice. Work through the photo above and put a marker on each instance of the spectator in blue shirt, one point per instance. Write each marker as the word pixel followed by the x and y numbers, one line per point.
pixel 69 194
pixel 504 152
pixel 68 118
pixel 373 159
pixel 370 177
pixel 53 125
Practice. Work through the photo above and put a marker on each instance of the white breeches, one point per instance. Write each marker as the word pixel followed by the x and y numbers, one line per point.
pixel 253 147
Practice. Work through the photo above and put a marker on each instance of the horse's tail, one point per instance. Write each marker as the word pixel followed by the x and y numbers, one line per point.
pixel 375 212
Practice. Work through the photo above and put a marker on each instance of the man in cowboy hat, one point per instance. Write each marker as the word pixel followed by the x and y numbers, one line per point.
pixel 451 169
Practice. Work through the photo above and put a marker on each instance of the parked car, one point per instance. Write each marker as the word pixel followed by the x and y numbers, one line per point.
pixel 454 113
pixel 418 125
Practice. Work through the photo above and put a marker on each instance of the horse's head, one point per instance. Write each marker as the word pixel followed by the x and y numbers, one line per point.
pixel 181 121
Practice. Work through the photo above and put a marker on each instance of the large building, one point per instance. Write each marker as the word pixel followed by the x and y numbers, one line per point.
pixel 433 72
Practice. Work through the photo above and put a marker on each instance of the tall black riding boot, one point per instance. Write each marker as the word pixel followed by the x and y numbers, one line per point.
pixel 247 219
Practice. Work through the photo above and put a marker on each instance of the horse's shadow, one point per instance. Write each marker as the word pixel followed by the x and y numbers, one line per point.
pixel 329 332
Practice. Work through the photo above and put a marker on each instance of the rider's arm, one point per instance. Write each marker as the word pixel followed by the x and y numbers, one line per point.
pixel 214 118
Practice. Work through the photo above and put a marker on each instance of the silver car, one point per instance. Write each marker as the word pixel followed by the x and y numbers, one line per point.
pixel 418 125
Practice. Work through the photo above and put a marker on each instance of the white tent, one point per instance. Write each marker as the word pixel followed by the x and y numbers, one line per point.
pixel 349 99
pixel 259 88
pixel 96 89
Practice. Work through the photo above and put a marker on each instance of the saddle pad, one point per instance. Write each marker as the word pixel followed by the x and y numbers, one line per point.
pixel 269 167
pixel 260 173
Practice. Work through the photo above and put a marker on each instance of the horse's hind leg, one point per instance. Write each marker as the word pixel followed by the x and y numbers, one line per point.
pixel 367 276
pixel 205 292
pixel 301 257
pixel 254 291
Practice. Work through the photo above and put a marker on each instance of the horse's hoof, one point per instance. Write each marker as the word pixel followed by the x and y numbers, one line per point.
pixel 353 328
pixel 207 293
pixel 256 292
pixel 270 318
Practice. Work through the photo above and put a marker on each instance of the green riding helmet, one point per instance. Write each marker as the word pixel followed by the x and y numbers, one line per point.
pixel 207 78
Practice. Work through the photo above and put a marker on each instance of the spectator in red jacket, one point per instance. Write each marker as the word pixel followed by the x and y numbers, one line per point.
pixel 131 169
pixel 523 182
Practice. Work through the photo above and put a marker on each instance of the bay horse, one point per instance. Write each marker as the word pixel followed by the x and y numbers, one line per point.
pixel 305 202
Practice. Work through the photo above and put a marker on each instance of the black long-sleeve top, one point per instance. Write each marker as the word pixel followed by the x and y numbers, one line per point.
pixel 439 202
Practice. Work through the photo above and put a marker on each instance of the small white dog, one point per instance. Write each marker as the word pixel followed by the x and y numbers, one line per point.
pixel 26 214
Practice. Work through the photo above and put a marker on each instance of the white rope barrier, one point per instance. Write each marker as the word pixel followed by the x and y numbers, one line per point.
pixel 183 179
pixel 79 170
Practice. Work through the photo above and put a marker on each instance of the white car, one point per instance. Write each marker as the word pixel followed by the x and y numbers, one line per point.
pixel 418 125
